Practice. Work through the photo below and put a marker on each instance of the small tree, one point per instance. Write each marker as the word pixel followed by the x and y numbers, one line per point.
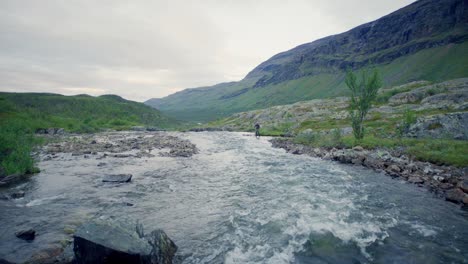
pixel 363 93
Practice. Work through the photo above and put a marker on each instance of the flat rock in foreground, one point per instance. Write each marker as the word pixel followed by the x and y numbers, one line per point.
pixel 117 178
pixel 112 241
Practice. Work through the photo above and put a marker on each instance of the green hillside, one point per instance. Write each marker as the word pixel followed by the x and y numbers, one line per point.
pixel 434 64
pixel 81 113
pixel 427 40
pixel 21 114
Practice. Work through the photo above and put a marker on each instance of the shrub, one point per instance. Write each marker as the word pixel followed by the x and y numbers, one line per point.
pixel 363 93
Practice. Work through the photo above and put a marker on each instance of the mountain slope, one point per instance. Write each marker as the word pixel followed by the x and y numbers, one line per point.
pixel 78 113
pixel 425 40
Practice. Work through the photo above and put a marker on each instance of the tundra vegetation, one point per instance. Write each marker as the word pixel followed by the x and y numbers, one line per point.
pixel 389 124
pixel 23 114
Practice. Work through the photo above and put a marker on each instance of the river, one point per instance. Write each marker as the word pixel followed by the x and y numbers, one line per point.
pixel 241 201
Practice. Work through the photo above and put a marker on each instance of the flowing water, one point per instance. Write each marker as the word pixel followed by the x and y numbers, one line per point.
pixel 241 201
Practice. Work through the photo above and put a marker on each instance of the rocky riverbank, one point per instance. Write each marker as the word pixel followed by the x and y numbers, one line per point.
pixel 448 182
pixel 121 145
pixel 98 240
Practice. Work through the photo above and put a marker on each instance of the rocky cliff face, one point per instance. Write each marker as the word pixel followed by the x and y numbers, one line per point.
pixel 421 25
pixel 426 40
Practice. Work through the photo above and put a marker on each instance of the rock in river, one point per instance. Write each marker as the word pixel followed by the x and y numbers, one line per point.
pixel 117 178
pixel 111 241
pixel 28 235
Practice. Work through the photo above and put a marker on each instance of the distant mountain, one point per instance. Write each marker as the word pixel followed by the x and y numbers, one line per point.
pixel 81 113
pixel 427 40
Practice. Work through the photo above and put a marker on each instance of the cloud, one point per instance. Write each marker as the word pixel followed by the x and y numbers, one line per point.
pixel 144 48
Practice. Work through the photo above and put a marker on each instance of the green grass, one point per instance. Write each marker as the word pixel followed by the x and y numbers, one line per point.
pixel 21 114
pixel 438 151
pixel 16 143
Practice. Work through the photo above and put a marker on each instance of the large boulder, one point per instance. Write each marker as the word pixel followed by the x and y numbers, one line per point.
pixel 453 125
pixel 113 241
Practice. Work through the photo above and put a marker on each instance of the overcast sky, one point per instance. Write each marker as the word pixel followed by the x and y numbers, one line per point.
pixel 141 49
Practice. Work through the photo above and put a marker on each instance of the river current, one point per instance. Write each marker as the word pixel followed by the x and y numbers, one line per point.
pixel 241 201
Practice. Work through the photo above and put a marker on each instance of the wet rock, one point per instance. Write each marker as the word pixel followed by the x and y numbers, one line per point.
pixel 163 248
pixel 394 171
pixel 11 179
pixel 415 179
pixel 117 178
pixel 445 186
pixel 463 185
pixel 47 255
pixel 358 160
pixel 373 162
pixel 17 195
pixel 455 195
pixel 438 178
pixel 100 164
pixel 121 155
pixel 112 241
pixel 67 256
pixel 465 200
pixel 28 234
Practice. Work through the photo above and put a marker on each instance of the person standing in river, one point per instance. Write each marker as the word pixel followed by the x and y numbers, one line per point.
pixel 257 130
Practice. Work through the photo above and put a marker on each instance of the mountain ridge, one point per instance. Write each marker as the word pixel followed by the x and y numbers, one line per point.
pixel 316 69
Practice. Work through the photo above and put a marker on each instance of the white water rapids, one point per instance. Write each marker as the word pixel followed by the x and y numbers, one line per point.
pixel 241 201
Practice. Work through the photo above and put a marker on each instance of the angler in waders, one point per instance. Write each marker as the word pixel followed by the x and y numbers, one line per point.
pixel 257 130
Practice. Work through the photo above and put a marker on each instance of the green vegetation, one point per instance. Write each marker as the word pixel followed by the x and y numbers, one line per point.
pixel 81 113
pixel 21 114
pixel 209 103
pixel 438 151
pixel 363 93
pixel 409 118
pixel 320 124
pixel 16 142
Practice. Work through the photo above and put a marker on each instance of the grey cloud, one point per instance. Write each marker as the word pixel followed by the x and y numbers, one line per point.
pixel 143 49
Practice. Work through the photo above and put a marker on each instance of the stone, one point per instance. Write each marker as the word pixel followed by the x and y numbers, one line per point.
pixel 112 241
pixel 463 185
pixel 11 179
pixel 358 148
pixel 117 178
pixel 46 255
pixel 438 178
pixel 415 179
pixel 121 155
pixel 394 168
pixel 17 195
pixel 100 164
pixel 465 200
pixel 358 160
pixel 455 195
pixel 28 234
pixel 163 248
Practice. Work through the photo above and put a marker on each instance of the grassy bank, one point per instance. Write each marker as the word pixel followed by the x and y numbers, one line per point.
pixel 438 151
pixel 21 114
pixel 16 143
